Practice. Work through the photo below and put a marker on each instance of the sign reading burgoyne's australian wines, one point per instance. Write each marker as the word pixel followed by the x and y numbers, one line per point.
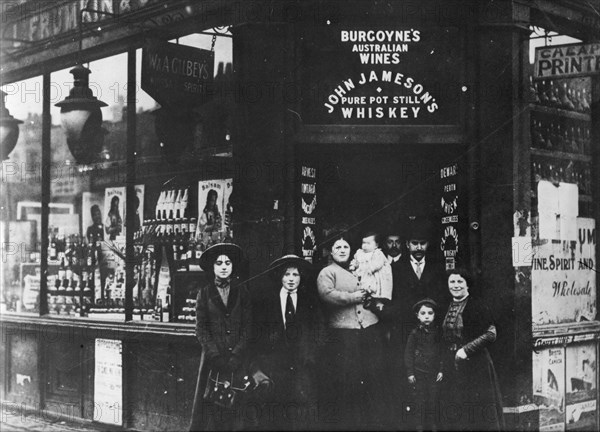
pixel 402 76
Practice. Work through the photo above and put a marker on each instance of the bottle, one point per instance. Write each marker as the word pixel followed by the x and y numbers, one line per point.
pixel 159 213
pixel 52 256
pixel 96 285
pixel 62 273
pixel 166 307
pixel 178 213
pixel 533 94
pixel 542 91
pixel 169 214
pixel 553 97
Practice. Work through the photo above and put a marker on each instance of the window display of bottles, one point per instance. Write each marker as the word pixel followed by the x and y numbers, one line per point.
pixel 566 94
pixel 73 277
pixel 188 312
pixel 560 134
pixel 174 225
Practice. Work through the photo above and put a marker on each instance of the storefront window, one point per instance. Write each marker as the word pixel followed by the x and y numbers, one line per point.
pixel 86 266
pixel 183 157
pixel 20 192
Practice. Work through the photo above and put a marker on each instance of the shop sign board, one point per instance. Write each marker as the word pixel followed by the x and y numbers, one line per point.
pixel 563 277
pixel 36 21
pixel 562 61
pixel 308 203
pixel 449 211
pixel 383 76
pixel 177 75
pixel 108 381
pixel 549 388
pixel 581 386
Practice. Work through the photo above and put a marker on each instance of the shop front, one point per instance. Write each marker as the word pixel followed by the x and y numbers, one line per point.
pixel 305 118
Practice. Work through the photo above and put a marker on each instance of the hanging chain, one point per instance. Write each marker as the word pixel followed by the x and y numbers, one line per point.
pixel 214 40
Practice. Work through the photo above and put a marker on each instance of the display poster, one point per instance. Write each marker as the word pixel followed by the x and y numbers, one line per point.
pixel 582 367
pixel 308 205
pixel 213 197
pixel 382 76
pixel 449 212
pixel 114 214
pixel 92 209
pixel 108 381
pixel 549 388
pixel 228 208
pixel 30 279
pixel 139 207
pixel 563 278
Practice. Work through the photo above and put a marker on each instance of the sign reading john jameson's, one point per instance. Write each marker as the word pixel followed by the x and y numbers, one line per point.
pixel 562 61
pixel 382 76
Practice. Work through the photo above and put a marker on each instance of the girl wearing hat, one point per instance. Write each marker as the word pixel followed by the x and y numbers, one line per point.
pixel 223 324
pixel 288 331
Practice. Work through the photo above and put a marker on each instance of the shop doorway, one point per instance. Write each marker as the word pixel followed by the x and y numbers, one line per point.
pixel 373 187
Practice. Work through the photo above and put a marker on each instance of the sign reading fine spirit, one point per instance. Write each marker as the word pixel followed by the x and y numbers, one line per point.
pixel 563 278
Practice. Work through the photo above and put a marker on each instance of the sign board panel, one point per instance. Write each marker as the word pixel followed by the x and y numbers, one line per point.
pixel 563 278
pixel 108 381
pixel 382 76
pixel 562 61
pixel 581 386
pixel 176 75
pixel 549 388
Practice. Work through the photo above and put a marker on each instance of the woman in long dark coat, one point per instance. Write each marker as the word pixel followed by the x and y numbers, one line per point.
pixel 223 326
pixel 289 328
pixel 471 398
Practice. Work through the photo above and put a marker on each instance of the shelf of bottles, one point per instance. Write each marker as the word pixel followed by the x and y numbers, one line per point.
pixel 73 274
pixel 560 129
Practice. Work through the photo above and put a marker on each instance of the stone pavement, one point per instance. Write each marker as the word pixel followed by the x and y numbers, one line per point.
pixel 35 422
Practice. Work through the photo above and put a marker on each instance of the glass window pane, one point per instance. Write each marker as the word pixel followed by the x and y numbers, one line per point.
pixel 20 195
pixel 86 264
pixel 180 157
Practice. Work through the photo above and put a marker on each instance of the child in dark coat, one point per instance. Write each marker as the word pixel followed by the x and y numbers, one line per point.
pixel 424 366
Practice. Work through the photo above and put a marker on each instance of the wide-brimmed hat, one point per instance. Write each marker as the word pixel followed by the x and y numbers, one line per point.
pixel 232 251
pixel 287 261
pixel 426 301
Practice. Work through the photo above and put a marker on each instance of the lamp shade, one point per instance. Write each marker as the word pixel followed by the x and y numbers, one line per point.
pixel 81 118
pixel 9 129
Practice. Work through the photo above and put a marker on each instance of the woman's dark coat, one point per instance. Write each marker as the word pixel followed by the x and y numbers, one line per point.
pixel 289 357
pixel 473 387
pixel 223 330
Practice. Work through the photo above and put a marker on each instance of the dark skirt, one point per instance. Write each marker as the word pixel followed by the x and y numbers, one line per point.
pixel 351 395
pixel 470 397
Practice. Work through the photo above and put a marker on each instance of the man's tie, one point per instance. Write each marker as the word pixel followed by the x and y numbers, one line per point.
pixel 290 312
pixel 418 269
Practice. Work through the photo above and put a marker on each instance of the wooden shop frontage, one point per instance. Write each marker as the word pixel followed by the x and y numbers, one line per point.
pixel 144 124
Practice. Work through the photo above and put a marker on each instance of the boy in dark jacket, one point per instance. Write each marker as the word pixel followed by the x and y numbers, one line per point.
pixel 423 361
